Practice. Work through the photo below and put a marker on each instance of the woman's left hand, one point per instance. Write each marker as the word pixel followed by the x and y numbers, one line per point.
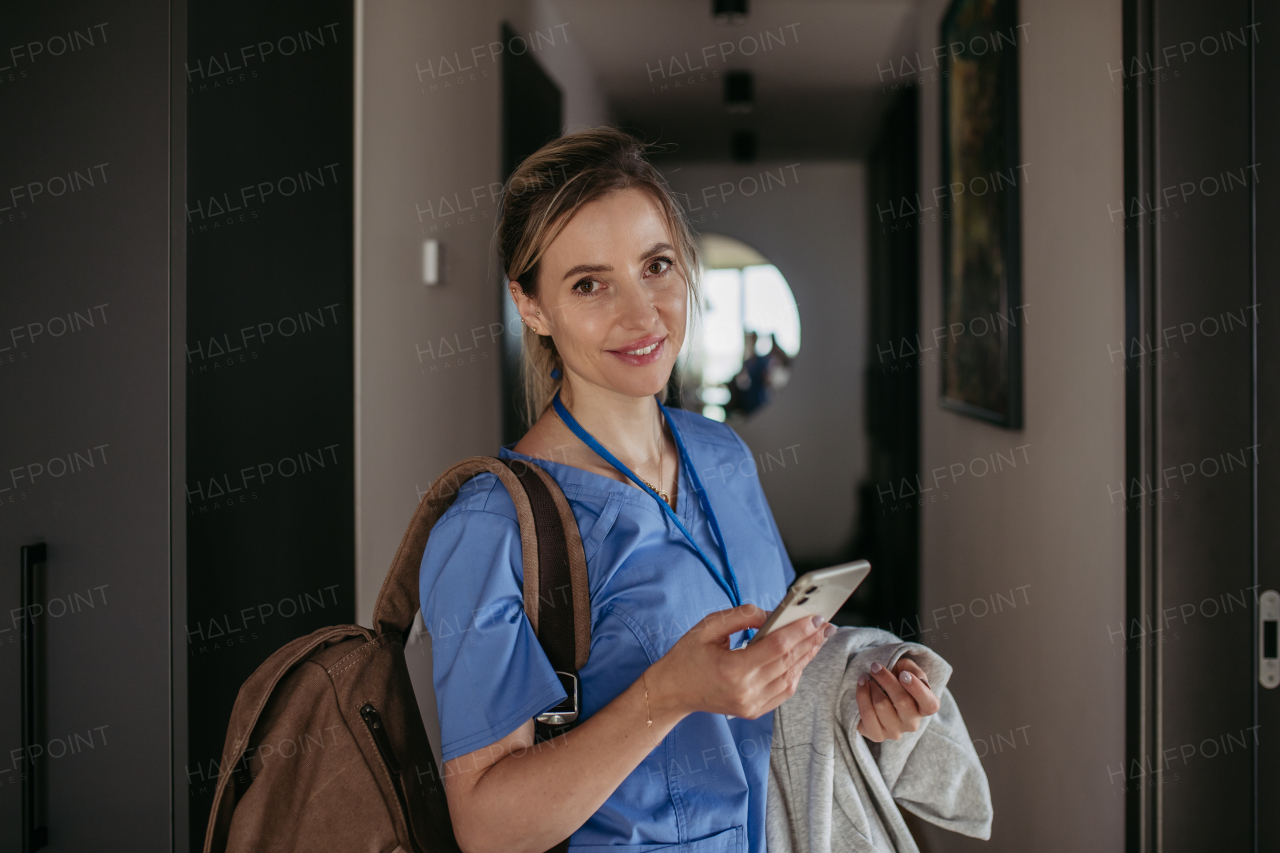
pixel 892 702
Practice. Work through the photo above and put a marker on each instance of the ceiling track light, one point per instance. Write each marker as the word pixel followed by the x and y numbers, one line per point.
pixel 729 11
pixel 739 91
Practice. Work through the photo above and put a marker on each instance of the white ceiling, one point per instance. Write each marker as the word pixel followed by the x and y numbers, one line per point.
pixel 817 95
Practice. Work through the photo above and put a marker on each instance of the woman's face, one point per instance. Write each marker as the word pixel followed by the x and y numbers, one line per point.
pixel 612 297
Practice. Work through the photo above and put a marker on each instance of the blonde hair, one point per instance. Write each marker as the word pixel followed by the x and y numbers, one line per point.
pixel 540 198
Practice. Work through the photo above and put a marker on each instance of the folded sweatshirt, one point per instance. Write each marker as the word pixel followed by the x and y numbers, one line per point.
pixel 833 791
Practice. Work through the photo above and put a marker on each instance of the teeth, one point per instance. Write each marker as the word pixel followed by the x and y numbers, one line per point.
pixel 644 351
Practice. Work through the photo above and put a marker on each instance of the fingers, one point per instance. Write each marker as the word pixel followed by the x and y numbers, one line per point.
pixel 906 663
pixel 903 702
pixel 750 681
pixel 926 701
pixel 782 642
pixel 786 671
pixel 807 641
pixel 721 624
pixel 869 724
pixel 916 682
pixel 891 723
pixel 891 703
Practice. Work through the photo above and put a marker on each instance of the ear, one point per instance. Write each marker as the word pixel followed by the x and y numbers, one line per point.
pixel 530 312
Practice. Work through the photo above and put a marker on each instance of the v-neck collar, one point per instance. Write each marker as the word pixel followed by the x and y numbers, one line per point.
pixel 566 474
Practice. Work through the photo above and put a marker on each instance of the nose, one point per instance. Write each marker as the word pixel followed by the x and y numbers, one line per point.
pixel 635 307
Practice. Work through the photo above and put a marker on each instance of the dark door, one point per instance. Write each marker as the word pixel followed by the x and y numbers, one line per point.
pixel 1266 370
pixel 269 503
pixel 891 501
pixel 531 117
pixel 85 298
pixel 1202 389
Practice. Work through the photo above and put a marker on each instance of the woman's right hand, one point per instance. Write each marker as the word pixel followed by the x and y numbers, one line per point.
pixel 702 673
pixel 512 796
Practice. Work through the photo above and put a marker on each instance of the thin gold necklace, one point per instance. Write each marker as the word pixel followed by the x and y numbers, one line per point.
pixel 662 493
pixel 662 467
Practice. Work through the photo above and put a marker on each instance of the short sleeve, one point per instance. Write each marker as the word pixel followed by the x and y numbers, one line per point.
pixel 489 672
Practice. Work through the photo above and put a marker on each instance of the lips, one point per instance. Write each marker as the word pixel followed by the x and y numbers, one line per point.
pixel 642 351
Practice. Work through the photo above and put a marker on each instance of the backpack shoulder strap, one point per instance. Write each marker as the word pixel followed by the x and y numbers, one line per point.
pixel 563 608
pixel 548 535
pixel 398 601
pixel 250 702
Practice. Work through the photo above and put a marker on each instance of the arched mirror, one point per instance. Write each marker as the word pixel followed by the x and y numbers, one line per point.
pixel 740 353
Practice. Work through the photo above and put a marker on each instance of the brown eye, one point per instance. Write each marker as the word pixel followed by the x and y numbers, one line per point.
pixel 659 266
pixel 587 286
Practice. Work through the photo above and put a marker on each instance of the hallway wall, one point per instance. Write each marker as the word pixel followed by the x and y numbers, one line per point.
pixel 813 229
pixel 585 104
pixel 428 152
pixel 1048 675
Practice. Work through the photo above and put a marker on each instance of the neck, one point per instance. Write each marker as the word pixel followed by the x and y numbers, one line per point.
pixel 630 427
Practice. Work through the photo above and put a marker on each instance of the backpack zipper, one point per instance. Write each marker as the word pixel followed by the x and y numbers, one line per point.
pixel 373 720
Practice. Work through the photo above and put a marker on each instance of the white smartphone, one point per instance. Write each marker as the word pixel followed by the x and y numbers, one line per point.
pixel 817 593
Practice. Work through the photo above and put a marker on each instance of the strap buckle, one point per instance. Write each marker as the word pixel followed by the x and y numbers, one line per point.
pixel 567 711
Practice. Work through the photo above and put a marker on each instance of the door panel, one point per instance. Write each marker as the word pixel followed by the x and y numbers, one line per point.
pixel 1192 175
pixel 269 502
pixel 1267 150
pixel 1204 411
pixel 889 532
pixel 84 438
pixel 532 109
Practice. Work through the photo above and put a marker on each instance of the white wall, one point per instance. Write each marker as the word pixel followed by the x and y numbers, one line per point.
pixel 585 104
pixel 814 230
pixel 1048 524
pixel 424 135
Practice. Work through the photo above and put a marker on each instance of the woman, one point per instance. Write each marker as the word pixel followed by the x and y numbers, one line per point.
pixel 674 746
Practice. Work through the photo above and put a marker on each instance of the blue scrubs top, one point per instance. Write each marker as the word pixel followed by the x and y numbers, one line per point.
pixel 704 786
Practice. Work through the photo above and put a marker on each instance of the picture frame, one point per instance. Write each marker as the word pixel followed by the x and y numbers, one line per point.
pixel 982 310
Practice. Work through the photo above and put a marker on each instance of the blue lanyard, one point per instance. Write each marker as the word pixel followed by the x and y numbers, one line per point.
pixel 730 588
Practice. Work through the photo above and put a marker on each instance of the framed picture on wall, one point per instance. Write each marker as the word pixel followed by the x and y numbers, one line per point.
pixel 982 309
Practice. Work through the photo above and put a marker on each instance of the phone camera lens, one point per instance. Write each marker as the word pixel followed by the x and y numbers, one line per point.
pixel 802 600
pixel 811 590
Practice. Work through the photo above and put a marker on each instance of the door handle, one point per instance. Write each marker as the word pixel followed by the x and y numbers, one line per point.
pixel 1268 624
pixel 35 834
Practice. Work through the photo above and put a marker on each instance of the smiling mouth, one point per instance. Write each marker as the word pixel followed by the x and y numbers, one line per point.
pixel 642 352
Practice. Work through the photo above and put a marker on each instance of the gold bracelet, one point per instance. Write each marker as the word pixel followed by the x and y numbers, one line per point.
pixel 648 715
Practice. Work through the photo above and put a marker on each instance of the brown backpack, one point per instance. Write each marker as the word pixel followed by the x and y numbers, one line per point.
pixel 326 749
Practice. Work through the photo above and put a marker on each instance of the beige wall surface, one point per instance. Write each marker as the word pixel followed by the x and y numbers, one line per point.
pixel 584 102
pixel 429 155
pixel 811 224
pixel 1045 676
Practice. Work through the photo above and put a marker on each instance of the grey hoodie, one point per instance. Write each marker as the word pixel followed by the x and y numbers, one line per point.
pixel 833 791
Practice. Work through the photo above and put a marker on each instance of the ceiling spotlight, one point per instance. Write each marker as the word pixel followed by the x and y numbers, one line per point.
pixel 729 11
pixel 739 91
pixel 744 145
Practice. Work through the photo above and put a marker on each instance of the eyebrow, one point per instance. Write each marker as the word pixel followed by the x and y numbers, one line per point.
pixel 589 268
